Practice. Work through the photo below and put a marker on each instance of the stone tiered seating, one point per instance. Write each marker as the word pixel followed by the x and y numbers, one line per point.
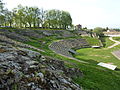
pixel 73 43
pixel 59 48
pixel 29 33
pixel 17 37
pixel 7 40
pixel 23 35
pixel 61 33
pixel 64 47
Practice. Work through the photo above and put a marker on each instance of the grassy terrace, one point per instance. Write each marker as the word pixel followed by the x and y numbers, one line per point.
pixel 116 38
pixel 92 41
pixel 106 42
pixel 99 55
pixel 95 77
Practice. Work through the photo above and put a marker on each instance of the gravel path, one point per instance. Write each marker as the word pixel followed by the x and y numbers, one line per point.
pixel 115 44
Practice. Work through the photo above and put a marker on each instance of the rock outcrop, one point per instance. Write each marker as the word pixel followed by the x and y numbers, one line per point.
pixel 23 69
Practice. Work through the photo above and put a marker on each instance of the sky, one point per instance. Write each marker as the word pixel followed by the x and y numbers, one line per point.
pixel 88 13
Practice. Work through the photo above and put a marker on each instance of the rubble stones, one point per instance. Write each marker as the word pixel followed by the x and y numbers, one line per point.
pixel 22 69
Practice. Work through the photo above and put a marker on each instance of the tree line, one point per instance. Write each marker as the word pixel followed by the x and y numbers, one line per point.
pixel 24 16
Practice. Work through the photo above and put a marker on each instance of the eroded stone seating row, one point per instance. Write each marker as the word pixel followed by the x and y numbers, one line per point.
pixel 16 43
pixel 65 46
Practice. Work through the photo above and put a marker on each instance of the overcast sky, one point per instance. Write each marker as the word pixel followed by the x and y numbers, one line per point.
pixel 88 13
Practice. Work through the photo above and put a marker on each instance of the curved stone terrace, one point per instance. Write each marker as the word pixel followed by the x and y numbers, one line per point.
pixel 66 47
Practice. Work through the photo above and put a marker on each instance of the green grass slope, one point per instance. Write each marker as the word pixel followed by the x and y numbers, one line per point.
pixel 92 41
pixel 98 78
pixel 116 38
pixel 98 55
pixel 106 42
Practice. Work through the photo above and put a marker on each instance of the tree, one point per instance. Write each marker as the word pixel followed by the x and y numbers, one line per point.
pixel 5 16
pixel 24 16
pixel 85 28
pixel 32 16
pixel 51 18
pixel 58 19
pixel 1 12
pixel 98 31
pixel 107 28
pixel 66 20
pixel 35 17
pixel 8 17
pixel 19 16
pixel 41 19
pixel 1 6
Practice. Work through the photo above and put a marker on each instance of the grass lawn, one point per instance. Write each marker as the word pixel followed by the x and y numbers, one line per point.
pixel 98 55
pixel 93 41
pixel 98 78
pixel 116 38
pixel 106 42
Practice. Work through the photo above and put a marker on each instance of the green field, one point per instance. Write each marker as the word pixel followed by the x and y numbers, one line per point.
pixel 116 38
pixel 106 42
pixel 98 55
pixel 98 78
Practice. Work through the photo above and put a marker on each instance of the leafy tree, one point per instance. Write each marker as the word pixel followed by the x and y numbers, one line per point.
pixel 26 16
pixel 41 18
pixel 85 28
pixel 98 31
pixel 19 16
pixel 66 20
pixel 8 17
pixel 51 19
pixel 1 6
pixel 2 17
pixel 1 12
pixel 35 17
pixel 58 19
pixel 32 17
pixel 107 28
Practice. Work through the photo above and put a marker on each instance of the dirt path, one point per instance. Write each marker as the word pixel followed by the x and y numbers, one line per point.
pixel 115 44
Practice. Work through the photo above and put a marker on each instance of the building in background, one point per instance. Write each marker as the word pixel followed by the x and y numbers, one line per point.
pixel 78 27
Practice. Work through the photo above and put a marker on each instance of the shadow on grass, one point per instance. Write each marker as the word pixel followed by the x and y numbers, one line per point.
pixel 90 61
pixel 117 69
